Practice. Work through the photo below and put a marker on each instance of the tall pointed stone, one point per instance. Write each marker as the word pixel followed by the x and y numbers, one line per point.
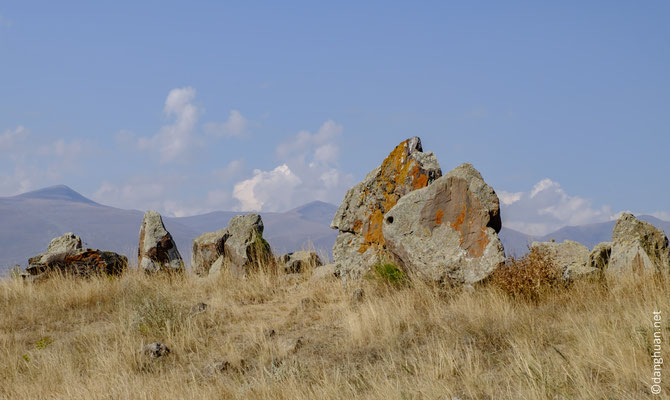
pixel 360 217
pixel 157 250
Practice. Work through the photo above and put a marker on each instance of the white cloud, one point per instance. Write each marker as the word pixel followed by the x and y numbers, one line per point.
pixel 308 171
pixel 236 125
pixel 175 141
pixel 267 190
pixel 12 137
pixel 507 198
pixel 546 208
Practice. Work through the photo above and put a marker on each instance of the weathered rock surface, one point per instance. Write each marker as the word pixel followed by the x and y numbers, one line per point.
pixel 599 257
pixel 244 249
pixel 325 272
pixel 638 247
pixel 65 254
pixel 207 248
pixel 447 231
pixel 571 258
pixel 157 250
pixel 360 217
pixel 300 261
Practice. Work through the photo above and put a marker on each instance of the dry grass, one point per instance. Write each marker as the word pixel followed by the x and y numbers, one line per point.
pixel 292 338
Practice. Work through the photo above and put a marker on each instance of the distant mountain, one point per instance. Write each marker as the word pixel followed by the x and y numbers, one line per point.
pixel 30 220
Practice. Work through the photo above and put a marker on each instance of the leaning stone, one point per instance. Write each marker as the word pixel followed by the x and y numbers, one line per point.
pixel 448 231
pixel 359 219
pixel 638 247
pixel 157 250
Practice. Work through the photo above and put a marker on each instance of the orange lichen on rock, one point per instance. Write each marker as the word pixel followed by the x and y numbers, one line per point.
pixel 398 175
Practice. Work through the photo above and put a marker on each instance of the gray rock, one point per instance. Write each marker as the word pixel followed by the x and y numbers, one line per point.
pixel 447 231
pixel 157 250
pixel 156 350
pixel 324 272
pixel 66 255
pixel 599 257
pixel 638 247
pixel 360 217
pixel 245 249
pixel 571 258
pixel 207 248
pixel 300 261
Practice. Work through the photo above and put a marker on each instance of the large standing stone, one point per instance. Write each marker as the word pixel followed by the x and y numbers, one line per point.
pixel 207 248
pixel 245 249
pixel 65 254
pixel 360 217
pixel 157 250
pixel 448 231
pixel 570 258
pixel 638 247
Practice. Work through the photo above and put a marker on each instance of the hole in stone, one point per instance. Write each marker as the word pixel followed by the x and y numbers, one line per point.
pixel 389 220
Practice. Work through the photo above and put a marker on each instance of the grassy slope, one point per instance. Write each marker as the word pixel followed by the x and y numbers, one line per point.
pixel 80 339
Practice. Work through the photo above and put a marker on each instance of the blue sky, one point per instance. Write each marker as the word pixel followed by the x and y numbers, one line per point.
pixel 188 108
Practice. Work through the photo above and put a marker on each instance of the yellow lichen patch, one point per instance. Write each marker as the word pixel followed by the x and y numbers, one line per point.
pixel 473 242
pixel 358 225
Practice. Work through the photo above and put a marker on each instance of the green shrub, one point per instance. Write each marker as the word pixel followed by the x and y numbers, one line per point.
pixel 390 274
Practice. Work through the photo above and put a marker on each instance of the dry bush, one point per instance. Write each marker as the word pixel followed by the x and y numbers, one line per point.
pixel 530 277
pixel 273 337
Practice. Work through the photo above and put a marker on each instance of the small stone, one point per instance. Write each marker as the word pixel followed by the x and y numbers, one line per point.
pixel 357 295
pixel 156 350
pixel 199 308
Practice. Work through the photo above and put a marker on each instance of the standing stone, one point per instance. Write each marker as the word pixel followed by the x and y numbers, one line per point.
pixel 207 248
pixel 638 247
pixel 300 261
pixel 359 219
pixel 157 250
pixel 245 249
pixel 448 231
pixel 570 258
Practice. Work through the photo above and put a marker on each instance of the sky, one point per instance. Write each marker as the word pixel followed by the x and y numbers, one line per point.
pixel 191 107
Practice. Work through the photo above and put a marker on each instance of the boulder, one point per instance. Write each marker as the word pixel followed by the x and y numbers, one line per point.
pixel 207 248
pixel 300 261
pixel 360 217
pixel 447 231
pixel 638 247
pixel 66 255
pixel 157 250
pixel 244 249
pixel 599 257
pixel 325 272
pixel 571 258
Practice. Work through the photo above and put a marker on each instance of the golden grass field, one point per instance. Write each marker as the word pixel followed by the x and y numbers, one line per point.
pixel 279 337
